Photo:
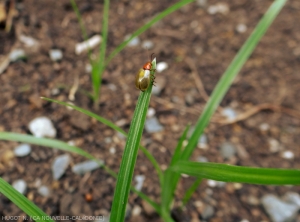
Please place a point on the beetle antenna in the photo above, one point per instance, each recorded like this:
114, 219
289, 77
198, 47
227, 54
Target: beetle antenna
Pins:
152, 56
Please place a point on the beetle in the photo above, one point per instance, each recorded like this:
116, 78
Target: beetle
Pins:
144, 78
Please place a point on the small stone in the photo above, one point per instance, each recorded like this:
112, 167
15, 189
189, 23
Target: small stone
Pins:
227, 150
88, 68
147, 44
136, 210
28, 41
112, 150
22, 150
160, 84
189, 99
59, 165
55, 91
274, 145
292, 197
151, 112
87, 166
112, 87
221, 8
287, 155
253, 200
201, 3
139, 182
207, 212
133, 42
152, 125
202, 142
161, 66
42, 127
80, 121
214, 183
44, 191
229, 113
17, 54
20, 185
202, 159
55, 55
241, 28
278, 210
36, 101
88, 44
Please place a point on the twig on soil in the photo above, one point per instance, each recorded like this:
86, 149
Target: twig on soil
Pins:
258, 108
74, 88
197, 79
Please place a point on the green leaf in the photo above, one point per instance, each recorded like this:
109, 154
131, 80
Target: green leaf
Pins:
239, 174
130, 154
56, 144
23, 203
116, 128
157, 18
188, 194
226, 80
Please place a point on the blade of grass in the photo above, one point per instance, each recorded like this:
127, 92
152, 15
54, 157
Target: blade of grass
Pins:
114, 127
239, 174
97, 69
225, 82
157, 18
130, 154
170, 185
23, 203
57, 144
188, 194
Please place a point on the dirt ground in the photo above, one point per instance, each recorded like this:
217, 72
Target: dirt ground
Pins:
197, 45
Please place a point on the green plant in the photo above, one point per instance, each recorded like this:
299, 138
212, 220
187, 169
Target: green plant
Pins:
180, 160
98, 66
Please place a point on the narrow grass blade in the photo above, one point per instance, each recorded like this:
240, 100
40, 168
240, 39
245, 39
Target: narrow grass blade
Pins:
23, 203
130, 155
239, 174
157, 18
98, 68
82, 27
188, 194
56, 144
169, 183
178, 149
114, 127
227, 78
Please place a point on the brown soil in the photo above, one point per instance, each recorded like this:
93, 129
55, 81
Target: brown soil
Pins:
189, 40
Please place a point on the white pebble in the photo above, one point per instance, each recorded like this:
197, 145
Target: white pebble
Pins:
147, 44
88, 68
17, 54
71, 142
55, 55
55, 91
87, 166
136, 210
229, 113
44, 191
221, 8
139, 182
22, 150
202, 142
287, 155
133, 42
152, 125
42, 127
112, 150
20, 185
264, 127
28, 41
59, 165
201, 3
274, 145
241, 28
213, 183
151, 112
88, 44
161, 66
